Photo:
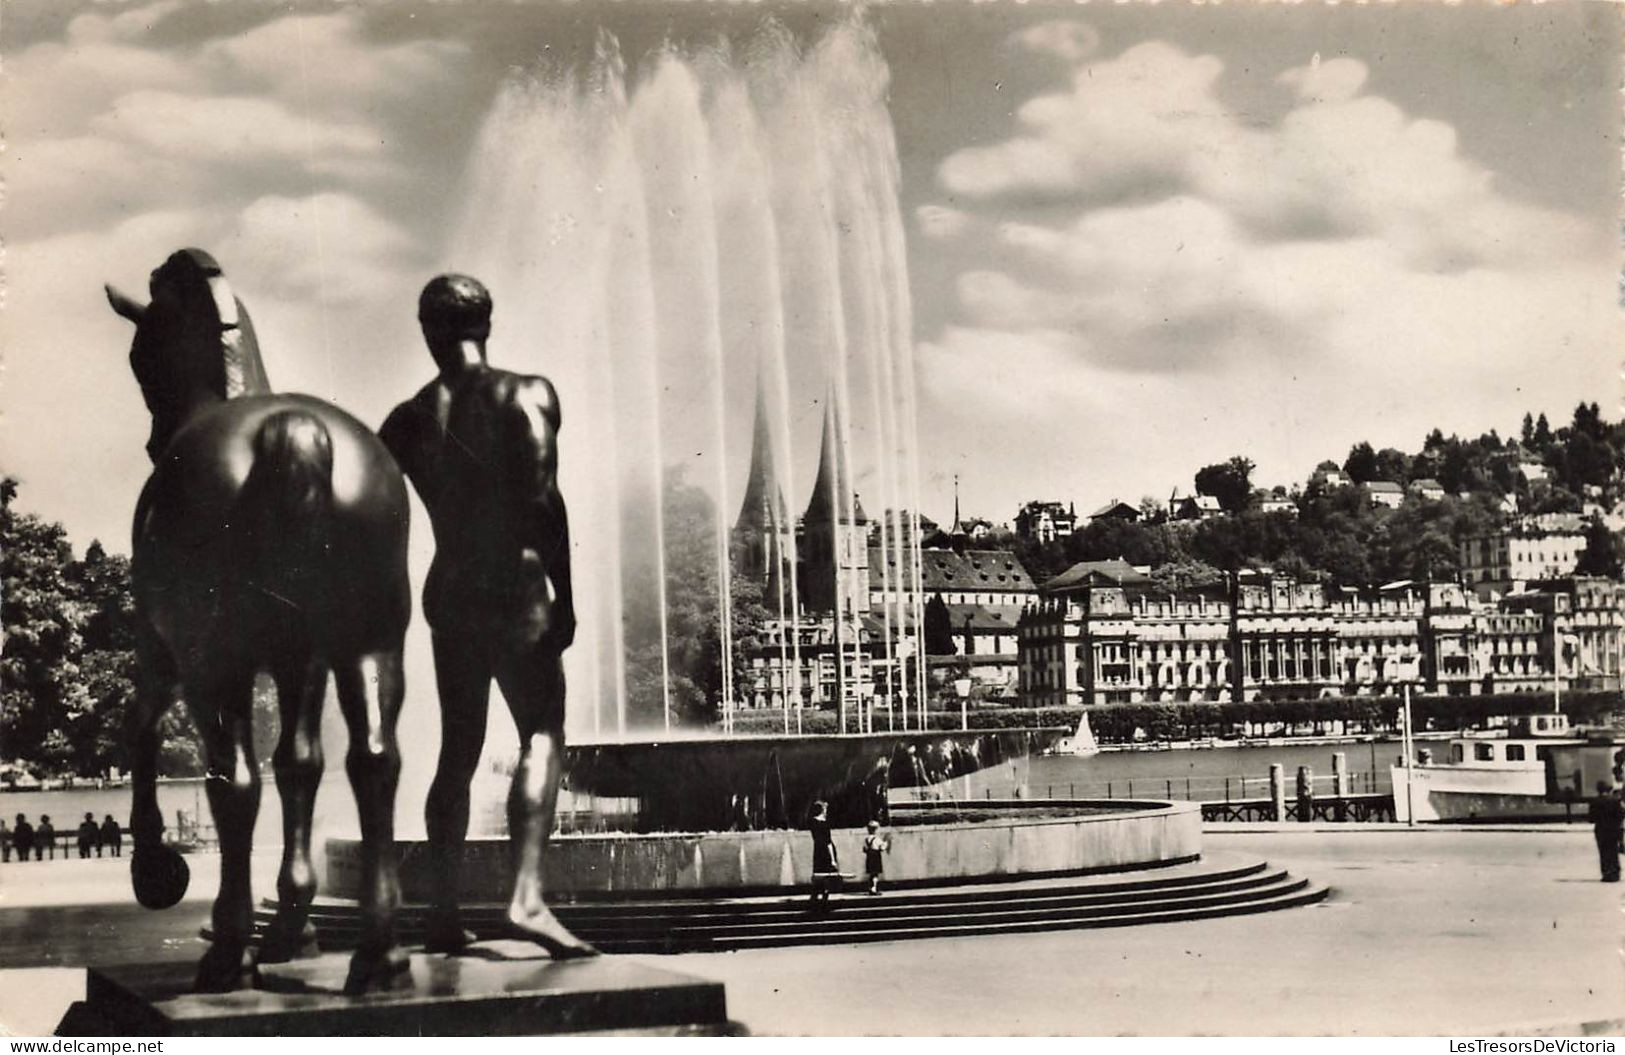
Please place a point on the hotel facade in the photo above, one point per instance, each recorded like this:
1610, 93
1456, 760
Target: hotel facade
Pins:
1102, 633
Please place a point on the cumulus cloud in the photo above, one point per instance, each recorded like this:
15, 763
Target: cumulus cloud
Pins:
330, 248
218, 130
1123, 127
1149, 123
1145, 271
117, 124
940, 221
322, 61
1066, 39
1174, 237
1336, 81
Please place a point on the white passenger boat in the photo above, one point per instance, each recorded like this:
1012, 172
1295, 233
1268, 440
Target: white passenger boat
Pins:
1491, 776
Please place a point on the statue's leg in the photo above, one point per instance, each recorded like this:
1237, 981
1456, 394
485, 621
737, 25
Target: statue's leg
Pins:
298, 764
158, 874
463, 678
533, 685
221, 711
370, 691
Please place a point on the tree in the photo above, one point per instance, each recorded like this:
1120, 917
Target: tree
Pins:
1361, 464
939, 631
1392, 464
684, 666
1601, 555
1179, 576
1230, 482
39, 674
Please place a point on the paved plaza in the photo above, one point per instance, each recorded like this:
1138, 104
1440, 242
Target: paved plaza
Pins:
1427, 931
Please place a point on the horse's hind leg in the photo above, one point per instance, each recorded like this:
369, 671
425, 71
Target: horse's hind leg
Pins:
221, 711
298, 765
158, 874
370, 690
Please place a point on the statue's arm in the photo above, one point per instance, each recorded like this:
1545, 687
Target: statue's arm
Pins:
547, 524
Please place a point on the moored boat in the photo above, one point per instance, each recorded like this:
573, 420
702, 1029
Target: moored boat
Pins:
1493, 776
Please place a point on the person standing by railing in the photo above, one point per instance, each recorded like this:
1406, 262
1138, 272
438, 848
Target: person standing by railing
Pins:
23, 837
89, 835
44, 838
112, 838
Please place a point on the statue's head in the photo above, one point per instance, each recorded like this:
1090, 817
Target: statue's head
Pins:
453, 309
193, 342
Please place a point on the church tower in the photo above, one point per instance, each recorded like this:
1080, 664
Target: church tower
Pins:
760, 533
835, 547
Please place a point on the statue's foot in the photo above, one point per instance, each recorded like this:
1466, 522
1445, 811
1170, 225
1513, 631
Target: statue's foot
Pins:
544, 928
378, 971
446, 934
228, 966
286, 939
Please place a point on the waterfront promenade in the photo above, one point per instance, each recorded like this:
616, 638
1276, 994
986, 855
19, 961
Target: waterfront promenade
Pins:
1460, 931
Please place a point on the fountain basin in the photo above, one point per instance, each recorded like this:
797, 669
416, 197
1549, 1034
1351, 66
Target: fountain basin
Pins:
698, 784
931, 844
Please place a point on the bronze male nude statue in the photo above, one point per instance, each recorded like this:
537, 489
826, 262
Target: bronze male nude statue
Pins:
480, 446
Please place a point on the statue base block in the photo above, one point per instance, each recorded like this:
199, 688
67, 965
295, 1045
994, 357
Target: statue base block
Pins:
496, 988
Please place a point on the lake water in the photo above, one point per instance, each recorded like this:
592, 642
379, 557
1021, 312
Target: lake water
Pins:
1197, 774
1186, 773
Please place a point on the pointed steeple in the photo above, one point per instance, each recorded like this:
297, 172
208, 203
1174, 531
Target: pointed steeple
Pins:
823, 492
763, 508
957, 530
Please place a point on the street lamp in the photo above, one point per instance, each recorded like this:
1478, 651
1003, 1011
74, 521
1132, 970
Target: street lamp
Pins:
1408, 671
962, 690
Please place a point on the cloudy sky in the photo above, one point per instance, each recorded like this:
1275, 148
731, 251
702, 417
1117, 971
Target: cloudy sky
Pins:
1141, 237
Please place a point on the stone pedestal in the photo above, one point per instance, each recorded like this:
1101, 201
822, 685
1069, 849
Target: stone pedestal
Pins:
487, 991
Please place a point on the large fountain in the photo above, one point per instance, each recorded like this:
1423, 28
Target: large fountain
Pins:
707, 258
678, 248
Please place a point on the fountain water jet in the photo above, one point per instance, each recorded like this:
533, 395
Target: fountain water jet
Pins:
666, 246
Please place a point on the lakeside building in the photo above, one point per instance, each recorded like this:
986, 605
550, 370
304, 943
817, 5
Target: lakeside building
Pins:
1103, 633
1531, 550
1046, 521
1384, 493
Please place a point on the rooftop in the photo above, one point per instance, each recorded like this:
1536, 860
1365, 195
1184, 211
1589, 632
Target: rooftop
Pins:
971, 569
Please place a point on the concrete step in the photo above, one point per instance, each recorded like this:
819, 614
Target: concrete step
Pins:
1052, 903
1307, 894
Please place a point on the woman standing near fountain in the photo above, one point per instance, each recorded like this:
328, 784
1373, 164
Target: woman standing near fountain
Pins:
825, 864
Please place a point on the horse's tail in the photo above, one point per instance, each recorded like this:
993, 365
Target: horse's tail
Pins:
285, 510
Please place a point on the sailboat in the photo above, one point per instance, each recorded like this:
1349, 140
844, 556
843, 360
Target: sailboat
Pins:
1081, 744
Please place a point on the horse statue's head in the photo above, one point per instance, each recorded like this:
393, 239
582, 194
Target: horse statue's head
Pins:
194, 343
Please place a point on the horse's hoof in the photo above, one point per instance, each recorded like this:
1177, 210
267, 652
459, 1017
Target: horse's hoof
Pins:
284, 942
159, 876
379, 972
227, 967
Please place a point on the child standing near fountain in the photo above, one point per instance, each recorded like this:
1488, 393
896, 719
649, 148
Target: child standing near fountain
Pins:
875, 846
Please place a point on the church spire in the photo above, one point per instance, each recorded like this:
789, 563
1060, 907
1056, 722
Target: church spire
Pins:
819, 510
958, 527
763, 508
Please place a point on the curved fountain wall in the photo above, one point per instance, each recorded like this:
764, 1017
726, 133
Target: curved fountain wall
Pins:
726, 816
1102, 836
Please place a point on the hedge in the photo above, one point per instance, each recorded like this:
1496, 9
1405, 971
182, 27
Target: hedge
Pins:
1118, 722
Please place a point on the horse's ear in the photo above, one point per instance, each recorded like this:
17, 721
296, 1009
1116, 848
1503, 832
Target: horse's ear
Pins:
124, 305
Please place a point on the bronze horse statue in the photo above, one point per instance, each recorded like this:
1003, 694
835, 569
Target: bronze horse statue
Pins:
271, 537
